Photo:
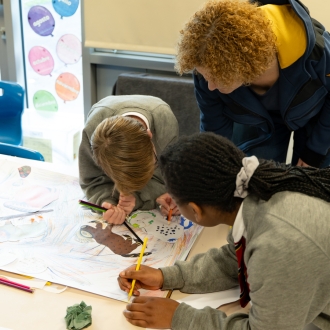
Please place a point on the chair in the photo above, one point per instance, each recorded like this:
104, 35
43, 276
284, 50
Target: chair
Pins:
11, 110
18, 151
177, 92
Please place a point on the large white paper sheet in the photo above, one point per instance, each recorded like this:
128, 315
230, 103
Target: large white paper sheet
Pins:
71, 245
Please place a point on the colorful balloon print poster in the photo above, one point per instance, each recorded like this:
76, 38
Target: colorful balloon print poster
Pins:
53, 56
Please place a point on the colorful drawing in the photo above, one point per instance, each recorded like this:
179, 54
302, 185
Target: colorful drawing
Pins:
67, 86
72, 246
41, 60
51, 44
32, 198
24, 171
155, 224
185, 222
65, 8
41, 21
68, 49
22, 228
45, 101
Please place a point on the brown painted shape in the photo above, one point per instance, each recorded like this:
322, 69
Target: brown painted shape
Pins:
116, 243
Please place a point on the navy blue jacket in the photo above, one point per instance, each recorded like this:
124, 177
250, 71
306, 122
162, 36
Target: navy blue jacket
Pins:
304, 93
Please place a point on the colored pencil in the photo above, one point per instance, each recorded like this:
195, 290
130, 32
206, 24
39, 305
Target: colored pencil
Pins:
8, 281
26, 214
169, 217
16, 285
138, 267
103, 209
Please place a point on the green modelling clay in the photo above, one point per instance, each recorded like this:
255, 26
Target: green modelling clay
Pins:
78, 316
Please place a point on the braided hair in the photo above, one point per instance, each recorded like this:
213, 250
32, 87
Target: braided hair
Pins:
202, 168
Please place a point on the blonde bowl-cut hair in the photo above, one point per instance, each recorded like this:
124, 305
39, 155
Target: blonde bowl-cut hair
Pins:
123, 149
232, 39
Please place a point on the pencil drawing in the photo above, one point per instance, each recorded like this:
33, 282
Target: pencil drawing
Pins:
72, 245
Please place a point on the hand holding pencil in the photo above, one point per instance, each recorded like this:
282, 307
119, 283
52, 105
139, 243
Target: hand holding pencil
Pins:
104, 209
144, 311
146, 277
166, 204
169, 217
138, 267
115, 215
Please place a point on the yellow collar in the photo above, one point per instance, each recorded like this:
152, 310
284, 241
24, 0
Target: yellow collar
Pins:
290, 31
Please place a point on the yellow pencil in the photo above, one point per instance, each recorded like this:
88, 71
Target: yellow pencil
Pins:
138, 267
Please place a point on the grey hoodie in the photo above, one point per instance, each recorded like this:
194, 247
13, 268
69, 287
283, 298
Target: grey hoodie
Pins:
287, 258
97, 186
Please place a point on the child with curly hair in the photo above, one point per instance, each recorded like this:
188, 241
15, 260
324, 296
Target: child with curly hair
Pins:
261, 71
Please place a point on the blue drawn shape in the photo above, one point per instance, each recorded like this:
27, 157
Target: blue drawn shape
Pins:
65, 8
11, 233
41, 21
185, 222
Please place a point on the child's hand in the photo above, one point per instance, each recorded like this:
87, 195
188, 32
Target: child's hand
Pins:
115, 215
151, 312
146, 278
127, 203
166, 203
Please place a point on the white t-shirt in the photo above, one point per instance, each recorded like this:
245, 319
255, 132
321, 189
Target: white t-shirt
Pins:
137, 114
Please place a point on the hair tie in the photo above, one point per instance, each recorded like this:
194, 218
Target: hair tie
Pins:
243, 177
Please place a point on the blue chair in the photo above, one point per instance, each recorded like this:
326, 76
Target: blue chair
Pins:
11, 110
18, 151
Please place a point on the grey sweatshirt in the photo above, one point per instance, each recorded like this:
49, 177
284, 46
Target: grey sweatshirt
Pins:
97, 186
287, 259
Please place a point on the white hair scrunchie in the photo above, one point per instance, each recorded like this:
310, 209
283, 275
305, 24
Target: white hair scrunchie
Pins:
243, 177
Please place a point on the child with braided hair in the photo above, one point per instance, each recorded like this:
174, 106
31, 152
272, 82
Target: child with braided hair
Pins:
278, 248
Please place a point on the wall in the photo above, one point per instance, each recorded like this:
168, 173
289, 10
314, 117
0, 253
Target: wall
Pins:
11, 49
319, 9
101, 78
106, 75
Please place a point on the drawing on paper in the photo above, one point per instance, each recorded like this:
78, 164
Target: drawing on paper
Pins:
22, 228
65, 243
31, 265
153, 223
102, 233
31, 198
24, 171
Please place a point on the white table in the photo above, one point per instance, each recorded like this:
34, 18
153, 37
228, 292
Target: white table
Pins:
45, 310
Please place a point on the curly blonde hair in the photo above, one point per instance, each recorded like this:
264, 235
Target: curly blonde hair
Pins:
124, 150
232, 39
